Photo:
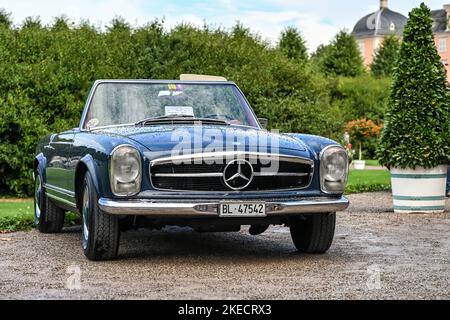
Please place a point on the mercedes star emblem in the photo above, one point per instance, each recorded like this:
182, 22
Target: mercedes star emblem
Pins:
238, 174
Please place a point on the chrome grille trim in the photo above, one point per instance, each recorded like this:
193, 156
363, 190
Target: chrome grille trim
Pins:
219, 174
226, 156
188, 175
231, 155
280, 174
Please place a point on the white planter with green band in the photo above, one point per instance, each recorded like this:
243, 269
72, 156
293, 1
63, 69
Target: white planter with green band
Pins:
419, 190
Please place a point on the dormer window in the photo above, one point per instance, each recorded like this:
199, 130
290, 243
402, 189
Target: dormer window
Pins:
392, 27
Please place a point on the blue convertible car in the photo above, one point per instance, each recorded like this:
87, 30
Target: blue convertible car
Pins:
186, 153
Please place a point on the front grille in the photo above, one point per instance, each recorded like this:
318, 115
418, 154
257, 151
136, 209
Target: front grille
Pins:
204, 175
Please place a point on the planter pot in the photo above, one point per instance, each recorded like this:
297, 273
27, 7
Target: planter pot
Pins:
420, 190
359, 164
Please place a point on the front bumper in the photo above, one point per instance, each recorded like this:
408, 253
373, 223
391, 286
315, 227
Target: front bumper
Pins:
144, 207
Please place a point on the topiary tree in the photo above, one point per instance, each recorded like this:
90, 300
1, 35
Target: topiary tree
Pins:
417, 127
342, 58
293, 45
386, 57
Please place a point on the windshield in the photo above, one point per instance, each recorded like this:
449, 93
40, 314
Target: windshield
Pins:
127, 103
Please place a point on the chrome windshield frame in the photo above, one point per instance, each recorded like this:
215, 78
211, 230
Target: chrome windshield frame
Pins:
97, 83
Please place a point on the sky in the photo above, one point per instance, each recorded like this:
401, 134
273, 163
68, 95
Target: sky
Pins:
318, 20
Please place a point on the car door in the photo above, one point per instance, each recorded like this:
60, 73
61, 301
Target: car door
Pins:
58, 171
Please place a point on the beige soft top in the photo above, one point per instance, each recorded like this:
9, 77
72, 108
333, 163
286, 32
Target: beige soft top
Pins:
200, 77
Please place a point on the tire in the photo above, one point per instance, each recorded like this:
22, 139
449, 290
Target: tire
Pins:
313, 233
49, 218
100, 231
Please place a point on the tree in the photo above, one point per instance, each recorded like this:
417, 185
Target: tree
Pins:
293, 45
5, 18
61, 23
32, 23
385, 58
417, 127
119, 24
321, 51
342, 57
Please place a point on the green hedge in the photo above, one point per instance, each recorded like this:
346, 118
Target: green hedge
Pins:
46, 72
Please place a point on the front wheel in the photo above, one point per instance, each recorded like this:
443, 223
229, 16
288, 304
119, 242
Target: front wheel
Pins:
100, 231
49, 218
313, 233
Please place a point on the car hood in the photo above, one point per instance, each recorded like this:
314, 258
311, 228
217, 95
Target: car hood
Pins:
165, 138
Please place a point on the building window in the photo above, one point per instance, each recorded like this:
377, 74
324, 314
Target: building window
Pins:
362, 47
442, 44
392, 27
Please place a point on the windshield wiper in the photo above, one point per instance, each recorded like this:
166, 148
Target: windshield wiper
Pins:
172, 119
174, 116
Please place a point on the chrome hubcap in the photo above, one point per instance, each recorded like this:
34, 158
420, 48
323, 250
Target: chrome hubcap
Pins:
85, 216
37, 198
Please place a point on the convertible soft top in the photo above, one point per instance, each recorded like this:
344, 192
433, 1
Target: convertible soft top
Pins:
200, 77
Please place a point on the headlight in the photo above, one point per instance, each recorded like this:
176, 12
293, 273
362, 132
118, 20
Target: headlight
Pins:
333, 169
125, 171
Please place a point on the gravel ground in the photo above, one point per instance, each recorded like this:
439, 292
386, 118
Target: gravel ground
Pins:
408, 254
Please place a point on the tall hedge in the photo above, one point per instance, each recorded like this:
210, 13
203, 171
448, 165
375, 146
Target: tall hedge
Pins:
417, 131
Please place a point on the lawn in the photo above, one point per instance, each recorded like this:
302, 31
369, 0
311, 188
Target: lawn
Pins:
374, 163
18, 215
368, 181
16, 208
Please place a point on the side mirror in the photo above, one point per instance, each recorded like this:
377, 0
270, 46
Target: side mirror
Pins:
263, 122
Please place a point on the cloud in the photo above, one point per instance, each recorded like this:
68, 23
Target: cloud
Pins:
100, 11
270, 25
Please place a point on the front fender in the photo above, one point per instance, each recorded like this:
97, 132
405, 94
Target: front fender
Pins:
40, 164
87, 163
314, 143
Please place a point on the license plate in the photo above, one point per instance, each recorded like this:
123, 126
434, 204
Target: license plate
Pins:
242, 210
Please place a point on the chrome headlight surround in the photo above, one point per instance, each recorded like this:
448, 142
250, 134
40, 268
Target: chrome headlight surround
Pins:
333, 169
125, 171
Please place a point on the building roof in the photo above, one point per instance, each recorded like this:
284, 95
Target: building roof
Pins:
381, 22
439, 20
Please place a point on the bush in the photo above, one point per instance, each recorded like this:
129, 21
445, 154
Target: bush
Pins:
16, 223
25, 222
362, 132
417, 130
361, 97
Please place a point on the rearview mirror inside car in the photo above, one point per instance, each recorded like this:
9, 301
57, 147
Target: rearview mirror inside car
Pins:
263, 122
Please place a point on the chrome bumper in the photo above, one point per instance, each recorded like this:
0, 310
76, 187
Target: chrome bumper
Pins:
142, 207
